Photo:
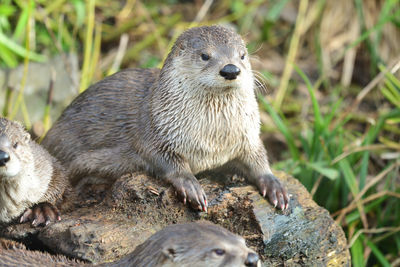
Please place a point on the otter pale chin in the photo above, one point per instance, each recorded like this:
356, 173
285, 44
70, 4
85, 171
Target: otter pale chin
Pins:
32, 182
199, 112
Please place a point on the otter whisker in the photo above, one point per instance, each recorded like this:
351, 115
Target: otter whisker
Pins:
260, 82
258, 48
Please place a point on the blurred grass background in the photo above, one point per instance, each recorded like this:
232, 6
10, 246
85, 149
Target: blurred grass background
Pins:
332, 114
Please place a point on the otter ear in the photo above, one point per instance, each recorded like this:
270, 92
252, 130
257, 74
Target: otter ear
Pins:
169, 252
27, 137
182, 46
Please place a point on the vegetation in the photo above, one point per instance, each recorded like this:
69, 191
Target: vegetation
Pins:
336, 109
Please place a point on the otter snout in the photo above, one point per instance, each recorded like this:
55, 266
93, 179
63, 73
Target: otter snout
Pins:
252, 260
229, 72
4, 158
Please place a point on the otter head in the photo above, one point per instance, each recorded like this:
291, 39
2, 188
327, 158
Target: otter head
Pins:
195, 245
212, 59
13, 148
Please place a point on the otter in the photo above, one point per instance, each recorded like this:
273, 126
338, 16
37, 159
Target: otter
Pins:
198, 113
192, 245
199, 244
32, 182
14, 254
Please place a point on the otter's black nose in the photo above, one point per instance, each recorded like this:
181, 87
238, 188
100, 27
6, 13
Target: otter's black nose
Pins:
229, 72
252, 260
4, 157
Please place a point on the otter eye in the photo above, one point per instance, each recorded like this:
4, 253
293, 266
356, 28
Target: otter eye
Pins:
242, 57
15, 145
205, 57
219, 251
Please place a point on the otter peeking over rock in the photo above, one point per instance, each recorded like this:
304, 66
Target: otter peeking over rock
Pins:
199, 244
198, 113
32, 182
192, 245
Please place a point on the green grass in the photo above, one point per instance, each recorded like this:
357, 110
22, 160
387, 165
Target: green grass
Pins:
346, 155
315, 159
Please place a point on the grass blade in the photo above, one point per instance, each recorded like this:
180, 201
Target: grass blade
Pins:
282, 127
321, 168
378, 254
357, 253
88, 47
19, 50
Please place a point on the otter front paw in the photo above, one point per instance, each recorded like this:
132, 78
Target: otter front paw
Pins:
270, 185
189, 189
42, 213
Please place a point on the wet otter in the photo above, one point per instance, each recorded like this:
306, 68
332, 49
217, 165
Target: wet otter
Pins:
197, 113
184, 245
31, 180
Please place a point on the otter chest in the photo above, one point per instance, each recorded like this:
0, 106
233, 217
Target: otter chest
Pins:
211, 139
19, 194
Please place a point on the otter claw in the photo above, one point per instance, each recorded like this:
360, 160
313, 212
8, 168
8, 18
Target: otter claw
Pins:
190, 191
41, 214
270, 186
205, 205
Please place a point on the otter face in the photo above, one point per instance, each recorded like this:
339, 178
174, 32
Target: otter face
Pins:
220, 253
213, 59
13, 138
195, 245
210, 245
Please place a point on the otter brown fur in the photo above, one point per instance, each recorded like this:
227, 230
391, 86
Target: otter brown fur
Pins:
198, 244
32, 182
198, 113
14, 254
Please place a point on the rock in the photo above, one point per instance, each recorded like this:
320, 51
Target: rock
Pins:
108, 224
62, 70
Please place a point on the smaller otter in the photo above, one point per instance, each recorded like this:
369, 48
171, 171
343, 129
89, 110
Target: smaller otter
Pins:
198, 244
31, 180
